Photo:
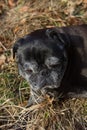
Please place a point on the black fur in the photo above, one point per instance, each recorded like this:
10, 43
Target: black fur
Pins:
54, 61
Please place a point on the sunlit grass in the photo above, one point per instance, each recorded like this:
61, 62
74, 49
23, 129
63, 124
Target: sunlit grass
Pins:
14, 90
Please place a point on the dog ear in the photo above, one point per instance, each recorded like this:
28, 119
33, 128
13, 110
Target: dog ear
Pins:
16, 46
59, 38
54, 35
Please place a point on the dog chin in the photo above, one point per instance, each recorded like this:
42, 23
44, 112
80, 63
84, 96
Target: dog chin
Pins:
43, 89
46, 88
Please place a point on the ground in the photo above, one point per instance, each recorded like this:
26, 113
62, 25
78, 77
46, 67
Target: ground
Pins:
18, 18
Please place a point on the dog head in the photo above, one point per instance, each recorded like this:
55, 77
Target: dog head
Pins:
42, 58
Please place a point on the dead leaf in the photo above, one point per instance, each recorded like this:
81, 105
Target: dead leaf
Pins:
85, 1
12, 3
70, 8
2, 59
10, 59
24, 9
1, 50
23, 21
16, 29
78, 2
74, 21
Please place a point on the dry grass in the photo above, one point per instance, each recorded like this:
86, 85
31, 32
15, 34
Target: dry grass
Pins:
15, 22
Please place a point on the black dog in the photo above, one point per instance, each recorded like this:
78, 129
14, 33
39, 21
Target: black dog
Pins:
54, 61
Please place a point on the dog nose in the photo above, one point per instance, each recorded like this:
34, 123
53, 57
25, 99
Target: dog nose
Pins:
27, 68
31, 66
29, 71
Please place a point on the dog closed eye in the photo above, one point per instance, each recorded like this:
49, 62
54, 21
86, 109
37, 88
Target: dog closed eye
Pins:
52, 61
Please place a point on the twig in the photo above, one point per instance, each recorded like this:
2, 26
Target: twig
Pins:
3, 46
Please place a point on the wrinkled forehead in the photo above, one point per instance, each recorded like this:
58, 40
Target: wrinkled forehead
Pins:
37, 44
40, 47
34, 49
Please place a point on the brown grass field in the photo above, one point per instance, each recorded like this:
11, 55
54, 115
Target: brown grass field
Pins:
18, 18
